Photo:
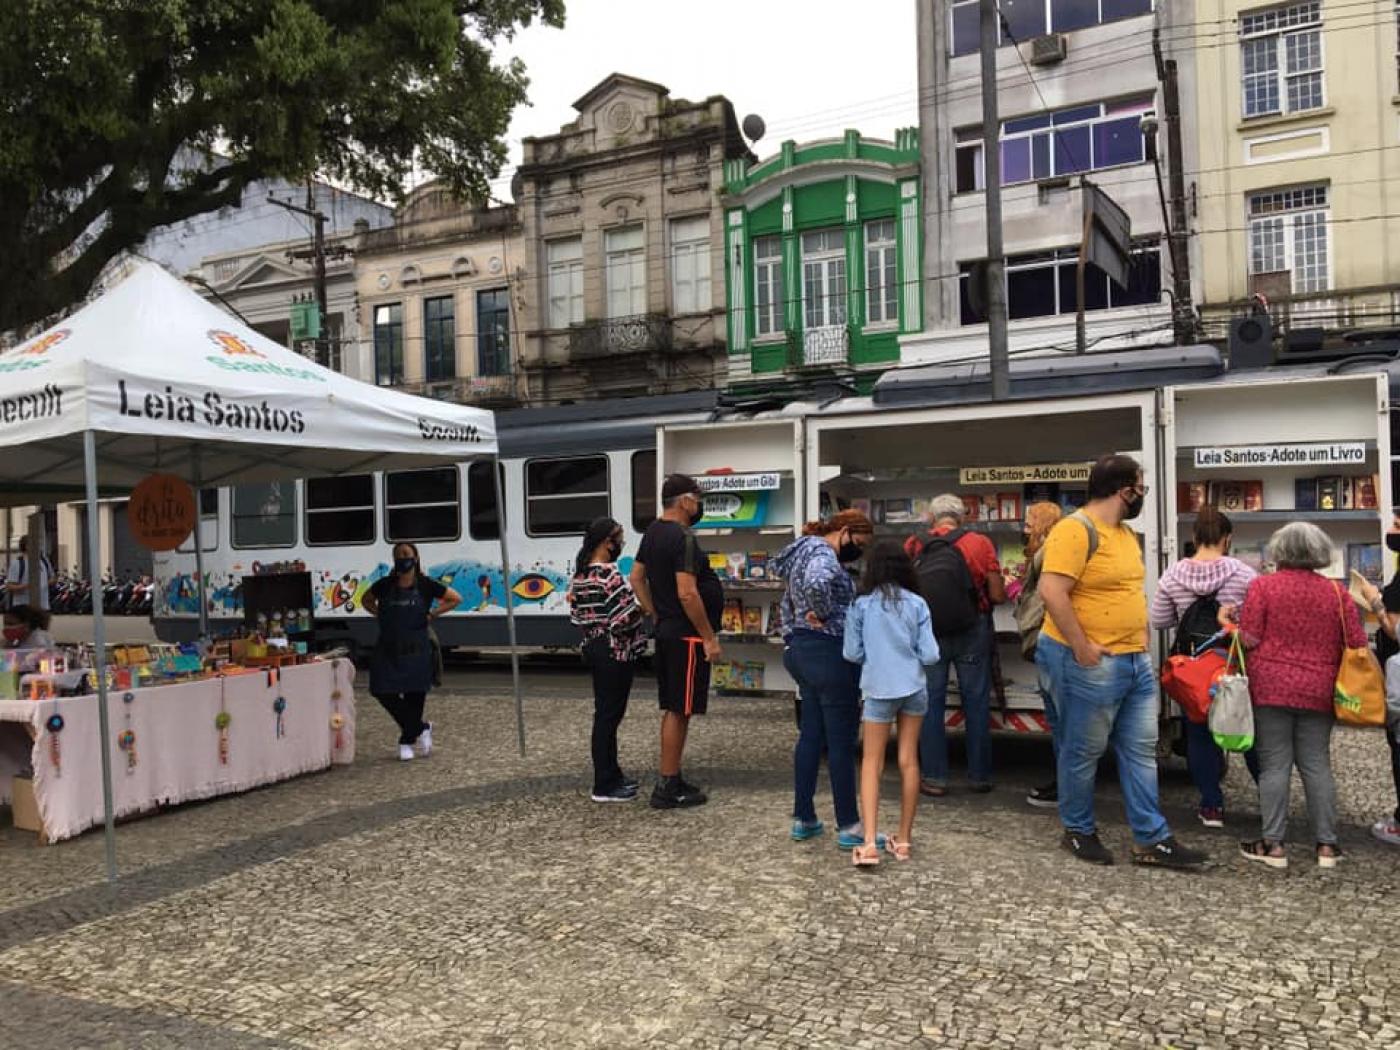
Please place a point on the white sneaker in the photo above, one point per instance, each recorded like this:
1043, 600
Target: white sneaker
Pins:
405, 752
424, 744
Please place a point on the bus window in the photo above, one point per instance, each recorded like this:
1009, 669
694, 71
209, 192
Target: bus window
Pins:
208, 523
265, 514
562, 496
422, 505
340, 510
482, 521
643, 489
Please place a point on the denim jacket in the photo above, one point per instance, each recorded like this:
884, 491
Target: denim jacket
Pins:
891, 637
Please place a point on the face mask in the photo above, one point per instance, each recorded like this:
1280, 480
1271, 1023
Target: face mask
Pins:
15, 634
698, 512
1133, 507
614, 551
849, 551
403, 566
1393, 542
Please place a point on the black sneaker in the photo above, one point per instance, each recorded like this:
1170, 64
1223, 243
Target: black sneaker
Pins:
621, 793
674, 793
1087, 848
1047, 796
981, 787
632, 784
1169, 854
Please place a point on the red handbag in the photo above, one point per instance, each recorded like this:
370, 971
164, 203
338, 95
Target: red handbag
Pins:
1188, 681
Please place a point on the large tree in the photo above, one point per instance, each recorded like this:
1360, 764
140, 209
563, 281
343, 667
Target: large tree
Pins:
120, 116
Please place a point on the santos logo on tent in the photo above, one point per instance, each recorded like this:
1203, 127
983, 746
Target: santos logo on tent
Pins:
32, 355
241, 357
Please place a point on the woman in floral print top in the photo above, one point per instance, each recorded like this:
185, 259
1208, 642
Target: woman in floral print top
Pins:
603, 606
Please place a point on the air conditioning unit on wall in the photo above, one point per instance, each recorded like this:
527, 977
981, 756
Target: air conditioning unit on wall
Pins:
1049, 49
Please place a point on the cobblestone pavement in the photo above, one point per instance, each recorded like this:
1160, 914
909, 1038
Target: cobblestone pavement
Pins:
480, 900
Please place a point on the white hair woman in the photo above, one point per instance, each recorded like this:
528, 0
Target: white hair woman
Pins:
1295, 624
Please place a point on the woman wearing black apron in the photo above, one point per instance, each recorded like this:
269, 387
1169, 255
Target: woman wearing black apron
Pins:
402, 669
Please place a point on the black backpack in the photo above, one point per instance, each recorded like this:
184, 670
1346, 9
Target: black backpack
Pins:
946, 583
1199, 624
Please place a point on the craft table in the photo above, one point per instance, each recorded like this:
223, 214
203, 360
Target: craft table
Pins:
180, 748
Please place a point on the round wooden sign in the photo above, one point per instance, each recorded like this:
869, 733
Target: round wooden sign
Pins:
161, 512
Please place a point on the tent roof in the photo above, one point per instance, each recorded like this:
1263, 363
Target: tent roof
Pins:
156, 372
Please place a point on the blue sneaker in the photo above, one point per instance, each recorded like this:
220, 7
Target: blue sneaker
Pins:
854, 836
803, 830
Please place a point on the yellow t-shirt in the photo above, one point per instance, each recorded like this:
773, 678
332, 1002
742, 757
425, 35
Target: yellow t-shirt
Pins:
1109, 598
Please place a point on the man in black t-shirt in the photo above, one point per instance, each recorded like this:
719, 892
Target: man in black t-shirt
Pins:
676, 586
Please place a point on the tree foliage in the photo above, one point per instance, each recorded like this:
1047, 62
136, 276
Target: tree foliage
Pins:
121, 116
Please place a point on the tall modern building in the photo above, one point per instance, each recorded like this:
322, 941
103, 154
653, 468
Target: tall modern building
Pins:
1075, 81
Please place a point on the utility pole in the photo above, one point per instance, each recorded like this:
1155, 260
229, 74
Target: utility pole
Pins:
1183, 313
317, 254
991, 162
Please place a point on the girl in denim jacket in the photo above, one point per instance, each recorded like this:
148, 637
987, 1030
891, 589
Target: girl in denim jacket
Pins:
890, 634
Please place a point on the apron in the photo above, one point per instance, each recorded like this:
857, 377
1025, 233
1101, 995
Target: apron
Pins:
403, 659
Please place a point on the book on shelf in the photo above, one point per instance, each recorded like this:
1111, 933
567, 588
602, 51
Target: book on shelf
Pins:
1008, 506
732, 619
1253, 495
749, 676
1041, 492
972, 508
1305, 493
758, 565
1072, 499
753, 619
1367, 492
723, 674
719, 564
1329, 493
1191, 496
899, 511
1367, 560
1229, 496
990, 508
738, 565
774, 627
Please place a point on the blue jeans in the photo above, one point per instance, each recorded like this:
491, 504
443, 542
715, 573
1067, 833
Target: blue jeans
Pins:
1114, 704
1052, 714
830, 691
1206, 763
970, 653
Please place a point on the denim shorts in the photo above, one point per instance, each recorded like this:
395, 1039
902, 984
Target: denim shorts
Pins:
884, 711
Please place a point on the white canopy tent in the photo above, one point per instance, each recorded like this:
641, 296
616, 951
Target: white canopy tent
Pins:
152, 378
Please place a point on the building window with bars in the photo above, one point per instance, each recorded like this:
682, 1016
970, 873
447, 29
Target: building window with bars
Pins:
768, 285
564, 259
1281, 60
824, 278
388, 344
493, 332
690, 265
881, 274
1091, 137
1288, 236
439, 339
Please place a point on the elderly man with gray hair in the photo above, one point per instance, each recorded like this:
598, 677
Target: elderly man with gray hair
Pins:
961, 580
1295, 624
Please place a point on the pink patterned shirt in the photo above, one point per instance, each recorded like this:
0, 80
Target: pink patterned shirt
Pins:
1291, 624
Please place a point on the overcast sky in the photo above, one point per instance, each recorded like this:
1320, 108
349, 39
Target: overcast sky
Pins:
810, 68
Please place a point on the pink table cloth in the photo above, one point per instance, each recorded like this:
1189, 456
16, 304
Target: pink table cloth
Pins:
175, 754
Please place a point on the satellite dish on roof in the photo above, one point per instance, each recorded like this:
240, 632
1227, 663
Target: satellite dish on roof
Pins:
754, 127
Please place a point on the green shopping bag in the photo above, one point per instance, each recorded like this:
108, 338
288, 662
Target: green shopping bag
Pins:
1231, 718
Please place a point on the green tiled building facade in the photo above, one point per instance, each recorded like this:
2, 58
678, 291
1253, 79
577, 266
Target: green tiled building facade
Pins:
822, 261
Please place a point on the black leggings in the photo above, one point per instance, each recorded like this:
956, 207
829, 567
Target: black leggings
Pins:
406, 709
612, 686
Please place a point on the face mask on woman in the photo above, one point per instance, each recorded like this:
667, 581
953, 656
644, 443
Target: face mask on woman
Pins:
849, 551
403, 566
614, 550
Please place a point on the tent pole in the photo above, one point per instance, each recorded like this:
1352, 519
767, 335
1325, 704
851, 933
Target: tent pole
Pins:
510, 603
199, 547
99, 650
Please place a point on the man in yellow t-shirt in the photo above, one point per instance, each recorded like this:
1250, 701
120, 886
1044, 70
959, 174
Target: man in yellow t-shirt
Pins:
1093, 655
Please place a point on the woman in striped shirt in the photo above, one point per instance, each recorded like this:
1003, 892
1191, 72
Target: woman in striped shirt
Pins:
1209, 573
602, 604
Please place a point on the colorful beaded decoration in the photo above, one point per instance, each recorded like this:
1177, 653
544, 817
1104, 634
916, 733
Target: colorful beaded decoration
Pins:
337, 719
126, 740
279, 706
55, 726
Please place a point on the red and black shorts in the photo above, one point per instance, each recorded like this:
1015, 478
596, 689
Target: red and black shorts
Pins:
682, 675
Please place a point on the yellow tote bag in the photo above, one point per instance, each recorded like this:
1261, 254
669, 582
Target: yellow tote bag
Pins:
1358, 697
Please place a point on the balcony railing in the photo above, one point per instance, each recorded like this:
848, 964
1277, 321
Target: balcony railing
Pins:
469, 390
1336, 311
637, 334
825, 347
